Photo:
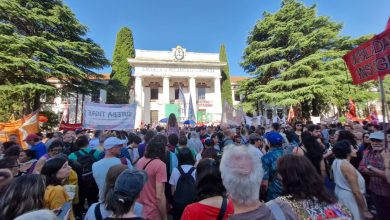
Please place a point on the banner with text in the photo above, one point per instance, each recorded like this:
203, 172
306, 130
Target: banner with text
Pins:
371, 59
109, 116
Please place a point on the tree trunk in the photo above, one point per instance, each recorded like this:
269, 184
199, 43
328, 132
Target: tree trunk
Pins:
37, 102
305, 108
315, 107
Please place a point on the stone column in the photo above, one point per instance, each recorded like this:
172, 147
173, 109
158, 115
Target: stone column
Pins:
217, 105
192, 85
165, 98
138, 100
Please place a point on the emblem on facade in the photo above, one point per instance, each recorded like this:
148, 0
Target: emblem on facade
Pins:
179, 53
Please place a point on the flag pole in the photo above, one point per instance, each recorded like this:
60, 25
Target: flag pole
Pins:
383, 100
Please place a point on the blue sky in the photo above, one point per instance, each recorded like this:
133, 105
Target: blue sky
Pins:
203, 25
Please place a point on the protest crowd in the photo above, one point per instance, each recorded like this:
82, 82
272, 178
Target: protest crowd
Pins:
281, 171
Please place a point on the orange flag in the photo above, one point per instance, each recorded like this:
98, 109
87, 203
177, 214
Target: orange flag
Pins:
29, 124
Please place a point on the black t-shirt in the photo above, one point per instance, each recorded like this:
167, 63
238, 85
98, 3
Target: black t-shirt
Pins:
133, 218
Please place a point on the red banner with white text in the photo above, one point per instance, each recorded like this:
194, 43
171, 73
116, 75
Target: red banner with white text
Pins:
371, 59
69, 126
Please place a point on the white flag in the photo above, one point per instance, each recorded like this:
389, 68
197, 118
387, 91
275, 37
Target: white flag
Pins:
183, 106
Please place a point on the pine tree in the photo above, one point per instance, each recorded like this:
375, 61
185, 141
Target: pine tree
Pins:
295, 57
121, 70
226, 90
39, 40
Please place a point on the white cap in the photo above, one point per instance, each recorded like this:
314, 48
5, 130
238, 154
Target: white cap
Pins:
112, 142
377, 135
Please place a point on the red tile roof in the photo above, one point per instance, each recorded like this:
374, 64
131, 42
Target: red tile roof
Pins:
236, 79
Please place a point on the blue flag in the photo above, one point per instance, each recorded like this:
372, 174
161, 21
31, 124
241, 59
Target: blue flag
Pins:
191, 112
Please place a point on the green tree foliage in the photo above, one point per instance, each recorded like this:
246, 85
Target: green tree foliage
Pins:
226, 90
38, 40
52, 122
119, 86
295, 58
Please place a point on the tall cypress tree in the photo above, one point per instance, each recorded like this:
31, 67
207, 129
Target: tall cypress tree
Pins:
40, 40
295, 58
226, 90
118, 92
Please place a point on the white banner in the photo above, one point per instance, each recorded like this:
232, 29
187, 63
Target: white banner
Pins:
315, 120
231, 116
109, 116
248, 121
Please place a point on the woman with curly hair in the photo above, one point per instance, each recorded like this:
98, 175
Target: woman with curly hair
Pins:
350, 185
347, 135
304, 191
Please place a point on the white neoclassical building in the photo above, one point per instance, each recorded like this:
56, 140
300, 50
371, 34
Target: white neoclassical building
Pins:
158, 76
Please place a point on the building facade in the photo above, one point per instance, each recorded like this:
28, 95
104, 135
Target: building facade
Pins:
73, 101
160, 76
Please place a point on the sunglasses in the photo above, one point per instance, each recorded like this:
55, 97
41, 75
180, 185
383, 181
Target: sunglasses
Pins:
366, 136
298, 125
376, 140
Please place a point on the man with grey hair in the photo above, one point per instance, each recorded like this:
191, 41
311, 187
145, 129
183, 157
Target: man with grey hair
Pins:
242, 173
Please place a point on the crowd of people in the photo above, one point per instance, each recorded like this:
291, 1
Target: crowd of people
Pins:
291, 171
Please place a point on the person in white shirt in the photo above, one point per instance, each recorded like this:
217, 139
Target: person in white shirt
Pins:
112, 148
186, 166
186, 162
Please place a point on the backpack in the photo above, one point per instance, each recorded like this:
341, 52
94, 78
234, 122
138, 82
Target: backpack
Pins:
168, 189
185, 189
86, 160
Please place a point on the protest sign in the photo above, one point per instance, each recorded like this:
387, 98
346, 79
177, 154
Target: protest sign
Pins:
231, 116
109, 116
370, 60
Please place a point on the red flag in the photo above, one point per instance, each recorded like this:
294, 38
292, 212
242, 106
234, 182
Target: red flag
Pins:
291, 114
370, 59
352, 108
388, 24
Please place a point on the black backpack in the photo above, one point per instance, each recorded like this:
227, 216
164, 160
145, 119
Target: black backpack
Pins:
185, 189
86, 160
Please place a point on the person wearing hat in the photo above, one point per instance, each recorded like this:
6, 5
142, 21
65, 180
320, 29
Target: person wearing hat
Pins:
112, 149
271, 184
80, 132
36, 145
127, 189
373, 165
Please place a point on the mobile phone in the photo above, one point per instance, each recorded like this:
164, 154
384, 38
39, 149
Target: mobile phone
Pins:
64, 210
